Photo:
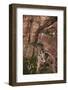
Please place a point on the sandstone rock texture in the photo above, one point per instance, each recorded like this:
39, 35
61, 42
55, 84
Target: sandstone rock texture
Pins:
39, 44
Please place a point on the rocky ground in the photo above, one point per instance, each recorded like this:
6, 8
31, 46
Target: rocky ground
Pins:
40, 44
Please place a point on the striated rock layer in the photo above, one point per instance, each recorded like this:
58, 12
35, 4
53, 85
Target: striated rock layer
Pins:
40, 44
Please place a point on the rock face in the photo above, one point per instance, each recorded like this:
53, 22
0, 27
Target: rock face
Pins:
40, 44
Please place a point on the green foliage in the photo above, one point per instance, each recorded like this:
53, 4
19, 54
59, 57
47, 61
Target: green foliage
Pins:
25, 67
49, 33
46, 69
39, 44
36, 44
29, 65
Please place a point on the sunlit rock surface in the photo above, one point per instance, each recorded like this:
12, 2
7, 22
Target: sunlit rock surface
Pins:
40, 44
